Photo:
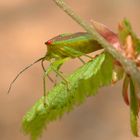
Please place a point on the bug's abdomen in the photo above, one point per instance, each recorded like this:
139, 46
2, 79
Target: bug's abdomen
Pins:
83, 43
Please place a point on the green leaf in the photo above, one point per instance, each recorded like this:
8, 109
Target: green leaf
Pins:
133, 109
84, 82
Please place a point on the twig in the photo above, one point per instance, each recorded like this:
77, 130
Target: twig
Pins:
127, 64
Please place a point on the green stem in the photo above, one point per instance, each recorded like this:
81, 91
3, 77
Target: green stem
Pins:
127, 64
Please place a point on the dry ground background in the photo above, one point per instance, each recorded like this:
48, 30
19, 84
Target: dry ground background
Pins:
24, 27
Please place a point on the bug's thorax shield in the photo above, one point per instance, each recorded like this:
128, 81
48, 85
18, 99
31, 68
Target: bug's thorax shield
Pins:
53, 51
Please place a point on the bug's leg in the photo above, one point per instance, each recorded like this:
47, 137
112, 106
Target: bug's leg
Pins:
55, 82
62, 77
56, 65
44, 90
93, 57
81, 60
56, 76
75, 53
43, 67
46, 72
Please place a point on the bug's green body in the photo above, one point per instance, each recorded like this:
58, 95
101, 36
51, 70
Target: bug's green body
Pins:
61, 47
80, 42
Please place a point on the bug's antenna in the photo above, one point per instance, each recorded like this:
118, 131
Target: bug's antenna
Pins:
11, 84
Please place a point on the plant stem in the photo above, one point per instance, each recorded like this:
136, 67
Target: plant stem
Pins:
127, 64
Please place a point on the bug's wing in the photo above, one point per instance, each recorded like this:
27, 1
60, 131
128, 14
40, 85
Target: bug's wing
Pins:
109, 35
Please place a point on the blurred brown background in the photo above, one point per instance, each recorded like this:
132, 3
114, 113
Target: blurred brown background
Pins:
24, 27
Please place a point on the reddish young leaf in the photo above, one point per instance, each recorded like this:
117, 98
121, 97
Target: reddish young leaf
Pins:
126, 82
109, 35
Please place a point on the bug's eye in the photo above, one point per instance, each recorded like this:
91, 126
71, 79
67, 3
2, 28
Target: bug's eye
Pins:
49, 42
